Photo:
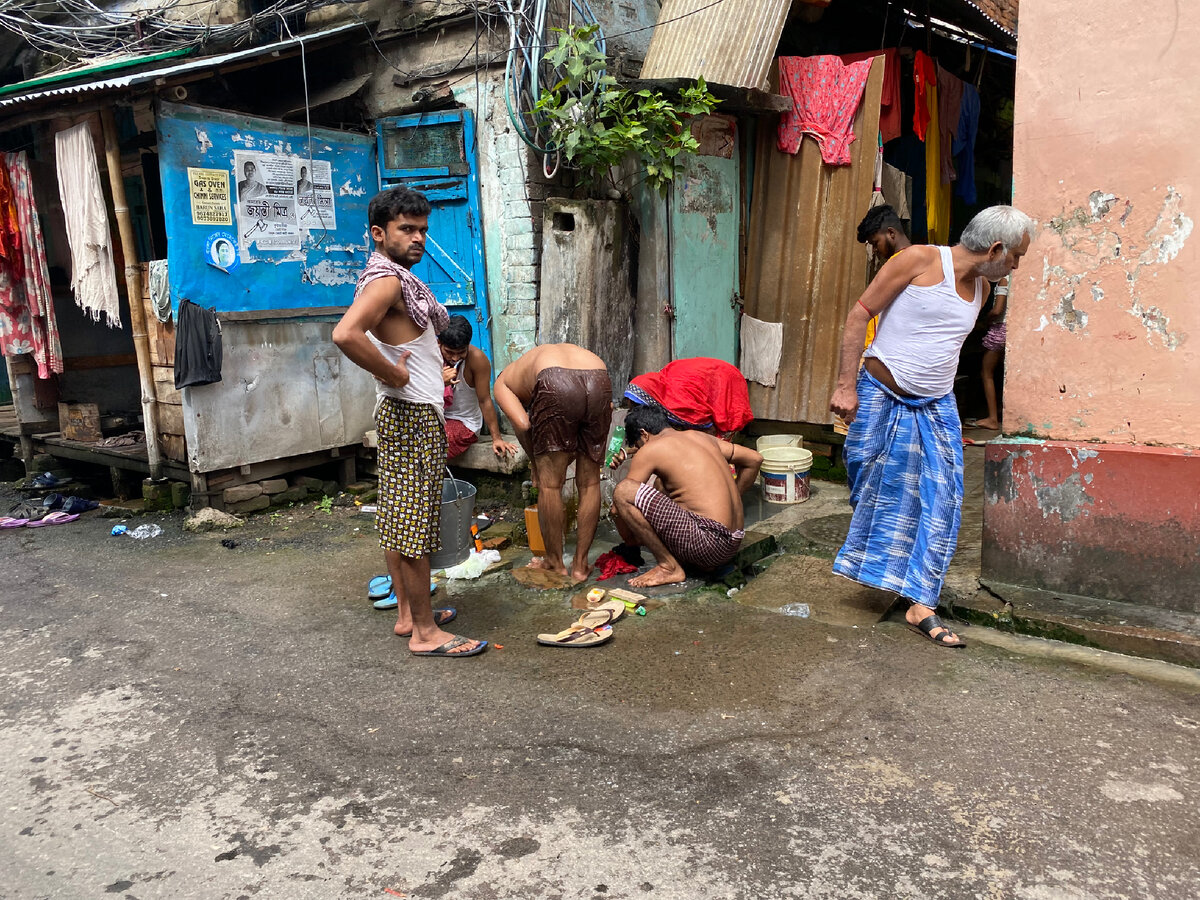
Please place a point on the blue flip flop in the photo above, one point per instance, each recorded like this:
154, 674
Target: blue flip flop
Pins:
388, 600
379, 587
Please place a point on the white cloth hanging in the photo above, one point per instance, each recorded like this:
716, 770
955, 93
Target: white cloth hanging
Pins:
762, 350
93, 274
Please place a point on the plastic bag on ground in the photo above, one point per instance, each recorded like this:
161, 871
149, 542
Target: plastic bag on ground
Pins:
474, 565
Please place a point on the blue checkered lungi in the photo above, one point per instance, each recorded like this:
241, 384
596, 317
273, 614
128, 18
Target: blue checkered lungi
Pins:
904, 462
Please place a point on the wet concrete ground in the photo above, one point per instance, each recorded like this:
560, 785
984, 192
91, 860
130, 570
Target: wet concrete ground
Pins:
185, 720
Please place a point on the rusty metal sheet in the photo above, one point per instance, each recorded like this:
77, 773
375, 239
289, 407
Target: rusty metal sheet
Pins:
731, 43
804, 266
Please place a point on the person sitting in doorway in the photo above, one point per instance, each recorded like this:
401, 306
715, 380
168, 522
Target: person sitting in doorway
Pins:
559, 400
679, 500
467, 374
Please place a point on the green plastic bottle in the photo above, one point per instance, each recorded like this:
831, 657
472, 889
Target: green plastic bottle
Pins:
615, 443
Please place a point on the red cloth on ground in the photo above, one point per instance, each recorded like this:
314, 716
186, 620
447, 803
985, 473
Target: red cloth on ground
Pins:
458, 438
890, 120
701, 391
825, 96
610, 565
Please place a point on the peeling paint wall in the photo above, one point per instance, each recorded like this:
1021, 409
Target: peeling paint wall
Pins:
1103, 325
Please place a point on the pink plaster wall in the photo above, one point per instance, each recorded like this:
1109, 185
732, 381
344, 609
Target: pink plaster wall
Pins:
1104, 318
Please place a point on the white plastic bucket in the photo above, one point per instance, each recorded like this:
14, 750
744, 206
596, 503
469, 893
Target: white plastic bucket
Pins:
457, 514
768, 441
785, 474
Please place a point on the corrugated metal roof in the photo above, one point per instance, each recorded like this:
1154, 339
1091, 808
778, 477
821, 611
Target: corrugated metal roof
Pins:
728, 42
109, 65
804, 265
12, 104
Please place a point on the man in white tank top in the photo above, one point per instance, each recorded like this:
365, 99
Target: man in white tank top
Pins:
467, 374
904, 450
391, 331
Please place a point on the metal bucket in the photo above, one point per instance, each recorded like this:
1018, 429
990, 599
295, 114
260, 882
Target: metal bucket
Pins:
458, 512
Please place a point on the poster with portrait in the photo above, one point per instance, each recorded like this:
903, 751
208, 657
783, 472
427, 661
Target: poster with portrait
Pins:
266, 200
314, 195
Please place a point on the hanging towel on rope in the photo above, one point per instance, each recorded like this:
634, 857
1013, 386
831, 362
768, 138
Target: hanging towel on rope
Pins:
27, 320
825, 96
93, 275
890, 119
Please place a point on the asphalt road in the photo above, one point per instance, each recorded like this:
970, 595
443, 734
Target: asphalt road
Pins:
185, 720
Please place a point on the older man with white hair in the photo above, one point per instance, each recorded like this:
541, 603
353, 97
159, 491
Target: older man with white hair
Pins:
903, 454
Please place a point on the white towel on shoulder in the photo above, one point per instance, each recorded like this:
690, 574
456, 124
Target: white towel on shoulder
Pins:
762, 349
93, 275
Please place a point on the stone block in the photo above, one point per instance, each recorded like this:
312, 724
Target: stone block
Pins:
519, 242
240, 493
755, 546
518, 274
522, 291
523, 225
180, 494
296, 494
274, 485
520, 308
155, 490
262, 501
308, 483
358, 488
496, 543
479, 456
330, 488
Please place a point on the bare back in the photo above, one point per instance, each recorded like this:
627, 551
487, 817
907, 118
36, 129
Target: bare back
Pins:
520, 375
694, 470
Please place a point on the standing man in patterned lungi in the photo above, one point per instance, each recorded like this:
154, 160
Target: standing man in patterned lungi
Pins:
679, 500
903, 454
391, 331
559, 400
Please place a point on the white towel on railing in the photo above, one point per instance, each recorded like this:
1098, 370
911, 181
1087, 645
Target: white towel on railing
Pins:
93, 275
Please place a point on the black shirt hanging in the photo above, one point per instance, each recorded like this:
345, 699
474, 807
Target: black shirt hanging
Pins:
197, 345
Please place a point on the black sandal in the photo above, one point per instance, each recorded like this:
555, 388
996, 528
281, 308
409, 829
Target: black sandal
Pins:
928, 625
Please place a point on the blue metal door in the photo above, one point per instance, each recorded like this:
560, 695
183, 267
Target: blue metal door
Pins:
434, 153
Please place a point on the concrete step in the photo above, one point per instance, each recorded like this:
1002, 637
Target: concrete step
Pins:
1129, 628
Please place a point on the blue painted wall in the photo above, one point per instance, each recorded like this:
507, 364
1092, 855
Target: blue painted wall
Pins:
322, 272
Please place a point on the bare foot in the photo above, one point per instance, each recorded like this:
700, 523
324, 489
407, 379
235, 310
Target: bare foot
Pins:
539, 562
440, 638
990, 424
580, 575
404, 624
659, 575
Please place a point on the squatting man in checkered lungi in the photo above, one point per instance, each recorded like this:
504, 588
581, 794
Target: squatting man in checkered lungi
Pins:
391, 331
904, 458
680, 500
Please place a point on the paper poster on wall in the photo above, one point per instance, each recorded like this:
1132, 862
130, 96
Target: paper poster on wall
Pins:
266, 200
220, 251
209, 190
314, 195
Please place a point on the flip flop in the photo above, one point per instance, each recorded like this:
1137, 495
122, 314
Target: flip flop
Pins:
379, 587
390, 601
58, 517
602, 614
436, 621
12, 522
926, 627
576, 637
79, 505
46, 480
53, 501
456, 641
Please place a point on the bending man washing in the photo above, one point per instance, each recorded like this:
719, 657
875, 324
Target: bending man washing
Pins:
679, 500
903, 454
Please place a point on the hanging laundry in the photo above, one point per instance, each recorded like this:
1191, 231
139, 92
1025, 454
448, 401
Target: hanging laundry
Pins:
198, 349
93, 275
762, 350
964, 145
160, 290
924, 80
897, 190
27, 321
10, 231
937, 195
825, 96
950, 94
890, 119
